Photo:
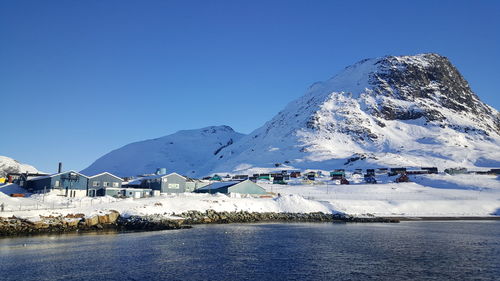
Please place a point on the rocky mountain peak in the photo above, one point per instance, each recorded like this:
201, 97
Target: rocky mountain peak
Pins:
428, 76
425, 86
428, 82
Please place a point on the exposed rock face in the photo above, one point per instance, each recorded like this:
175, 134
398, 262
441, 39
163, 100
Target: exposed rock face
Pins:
211, 216
60, 224
429, 81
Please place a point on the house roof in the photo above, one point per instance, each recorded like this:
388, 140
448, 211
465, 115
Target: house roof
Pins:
217, 185
57, 174
106, 173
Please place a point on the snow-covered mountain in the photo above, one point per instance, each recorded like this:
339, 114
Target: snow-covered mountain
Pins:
384, 112
9, 165
390, 111
186, 152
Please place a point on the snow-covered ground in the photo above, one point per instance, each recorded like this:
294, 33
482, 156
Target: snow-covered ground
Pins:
164, 205
426, 195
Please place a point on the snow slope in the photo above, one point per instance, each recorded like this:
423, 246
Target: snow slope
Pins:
390, 111
9, 165
185, 152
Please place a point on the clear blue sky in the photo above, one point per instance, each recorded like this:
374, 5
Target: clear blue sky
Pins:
80, 78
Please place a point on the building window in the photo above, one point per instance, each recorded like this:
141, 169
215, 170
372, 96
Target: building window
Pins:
173, 185
95, 183
105, 184
57, 184
116, 184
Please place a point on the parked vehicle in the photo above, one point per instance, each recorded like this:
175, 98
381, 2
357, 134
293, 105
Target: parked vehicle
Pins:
370, 179
403, 178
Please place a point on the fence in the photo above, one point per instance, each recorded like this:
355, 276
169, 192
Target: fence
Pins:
65, 203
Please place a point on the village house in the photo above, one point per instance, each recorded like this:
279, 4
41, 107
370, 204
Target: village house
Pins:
395, 171
280, 176
69, 184
381, 171
21, 178
98, 184
310, 176
337, 174
431, 170
171, 183
240, 177
193, 184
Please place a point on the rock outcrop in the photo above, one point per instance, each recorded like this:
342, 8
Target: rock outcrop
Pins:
113, 221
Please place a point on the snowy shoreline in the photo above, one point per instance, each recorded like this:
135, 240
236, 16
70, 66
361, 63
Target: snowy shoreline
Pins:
427, 196
113, 221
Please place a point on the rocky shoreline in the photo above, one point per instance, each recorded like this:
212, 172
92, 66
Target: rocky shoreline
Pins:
14, 226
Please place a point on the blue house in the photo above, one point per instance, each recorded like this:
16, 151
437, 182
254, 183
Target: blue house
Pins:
243, 187
69, 184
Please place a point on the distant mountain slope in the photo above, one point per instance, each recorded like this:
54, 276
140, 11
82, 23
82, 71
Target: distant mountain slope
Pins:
390, 111
186, 152
9, 165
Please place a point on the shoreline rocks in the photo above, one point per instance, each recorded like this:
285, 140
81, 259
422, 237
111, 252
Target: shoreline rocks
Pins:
211, 216
14, 226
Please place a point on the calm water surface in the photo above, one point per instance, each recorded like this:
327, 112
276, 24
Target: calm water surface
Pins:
405, 251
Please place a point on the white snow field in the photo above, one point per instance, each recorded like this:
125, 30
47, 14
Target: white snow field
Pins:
426, 196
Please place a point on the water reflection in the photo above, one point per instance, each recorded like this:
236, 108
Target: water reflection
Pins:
409, 250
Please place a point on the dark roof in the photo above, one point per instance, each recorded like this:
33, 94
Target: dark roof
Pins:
217, 185
57, 174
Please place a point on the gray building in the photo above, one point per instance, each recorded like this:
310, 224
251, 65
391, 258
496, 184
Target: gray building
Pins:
69, 184
98, 184
243, 187
171, 183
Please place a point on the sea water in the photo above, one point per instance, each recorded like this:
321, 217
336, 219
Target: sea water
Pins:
428, 250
